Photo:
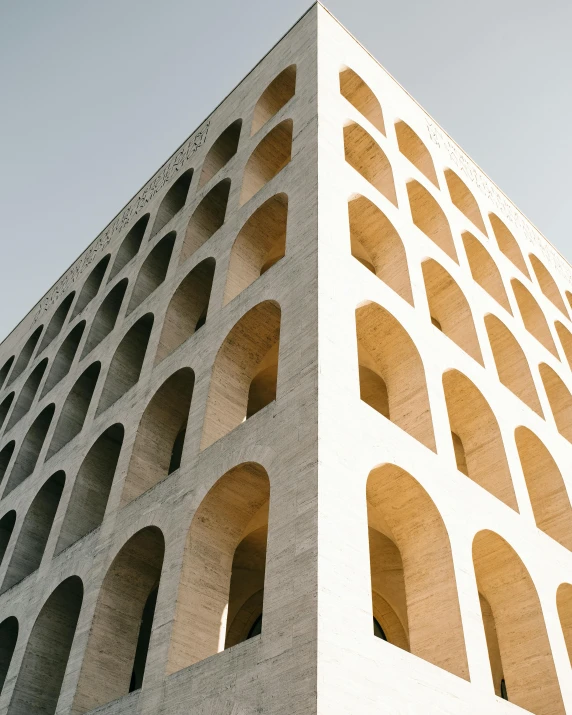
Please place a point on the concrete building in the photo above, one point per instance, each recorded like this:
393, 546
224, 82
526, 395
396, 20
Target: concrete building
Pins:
317, 369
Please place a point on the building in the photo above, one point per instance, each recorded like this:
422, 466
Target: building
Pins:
183, 444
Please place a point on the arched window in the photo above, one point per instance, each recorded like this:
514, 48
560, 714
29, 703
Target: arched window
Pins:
30, 449
5, 407
278, 93
64, 358
206, 220
221, 152
7, 523
411, 146
173, 201
267, 160
57, 321
508, 244
152, 272
5, 457
5, 370
130, 246
560, 400
91, 286
358, 93
429, 218
106, 316
464, 200
365, 155
27, 393
547, 283
532, 316
8, 638
25, 355
484, 270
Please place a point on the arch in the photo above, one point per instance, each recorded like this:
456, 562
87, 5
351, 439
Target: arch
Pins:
532, 316
8, 638
221, 152
244, 375
153, 271
113, 665
5, 370
564, 605
172, 202
30, 449
187, 309
464, 200
64, 358
91, 286
75, 409
449, 309
35, 531
484, 270
234, 513
565, 337
5, 457
524, 649
278, 93
163, 420
41, 675
260, 244
386, 350
106, 316
56, 323
407, 531
27, 393
91, 489
270, 156
127, 362
365, 155
559, 398
206, 220
360, 95
414, 149
129, 246
429, 218
508, 244
511, 363
547, 283
376, 244
478, 437
7, 523
25, 355
5, 407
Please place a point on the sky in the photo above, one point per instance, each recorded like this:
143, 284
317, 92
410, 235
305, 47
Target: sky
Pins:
97, 95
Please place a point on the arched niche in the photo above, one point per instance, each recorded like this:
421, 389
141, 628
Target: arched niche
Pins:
221, 152
244, 375
564, 604
30, 449
430, 218
358, 93
153, 271
172, 202
547, 283
64, 358
511, 363
5, 407
27, 393
365, 155
206, 220
260, 244
267, 160
560, 400
91, 286
532, 316
106, 316
25, 355
391, 373
376, 244
278, 93
464, 200
484, 270
565, 337
228, 530
129, 246
5, 456
8, 637
508, 244
449, 309
477, 438
413, 148
56, 323
4, 370
187, 309
7, 523
524, 659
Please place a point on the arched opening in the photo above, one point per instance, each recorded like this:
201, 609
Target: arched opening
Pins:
207, 218
547, 283
508, 244
32, 444
64, 358
125, 367
219, 599
91, 286
91, 489
41, 675
35, 531
524, 657
376, 245
5, 457
244, 374
449, 309
260, 244
106, 316
221, 152
153, 271
27, 393
411, 146
365, 155
57, 321
130, 246
5, 370
464, 200
358, 93
479, 437
546, 488
187, 309
484, 270
564, 604
8, 638
532, 316
271, 155
565, 340
412, 575
25, 355
75, 409
118, 643
173, 201
560, 400
7, 523
164, 417
275, 96
389, 363
5, 407
512, 366
429, 218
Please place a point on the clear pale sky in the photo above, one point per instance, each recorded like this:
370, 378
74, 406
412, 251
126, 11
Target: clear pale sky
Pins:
96, 95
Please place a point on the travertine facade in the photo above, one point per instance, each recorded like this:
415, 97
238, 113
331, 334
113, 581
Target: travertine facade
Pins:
183, 446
